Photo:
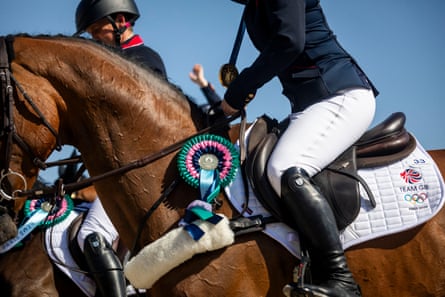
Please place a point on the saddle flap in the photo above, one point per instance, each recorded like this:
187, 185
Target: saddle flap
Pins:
263, 125
340, 188
255, 169
73, 245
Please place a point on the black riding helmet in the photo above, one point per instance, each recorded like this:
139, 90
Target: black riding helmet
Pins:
90, 11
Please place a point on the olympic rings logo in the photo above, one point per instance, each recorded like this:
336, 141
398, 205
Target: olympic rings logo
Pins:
416, 198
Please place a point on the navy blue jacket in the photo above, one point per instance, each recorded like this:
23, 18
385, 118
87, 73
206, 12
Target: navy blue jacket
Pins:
211, 95
135, 49
297, 45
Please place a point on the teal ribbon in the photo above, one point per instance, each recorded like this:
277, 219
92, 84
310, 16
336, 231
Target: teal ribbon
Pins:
209, 184
209, 187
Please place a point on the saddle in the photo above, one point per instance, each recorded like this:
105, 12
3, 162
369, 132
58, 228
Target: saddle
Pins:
339, 182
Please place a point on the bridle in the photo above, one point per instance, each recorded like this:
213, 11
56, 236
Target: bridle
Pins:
8, 133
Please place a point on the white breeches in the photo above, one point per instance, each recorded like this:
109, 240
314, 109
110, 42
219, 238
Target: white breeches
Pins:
97, 221
319, 134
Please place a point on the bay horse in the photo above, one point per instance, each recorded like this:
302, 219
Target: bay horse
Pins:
115, 112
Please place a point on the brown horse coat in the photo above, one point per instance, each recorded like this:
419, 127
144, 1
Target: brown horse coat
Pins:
115, 113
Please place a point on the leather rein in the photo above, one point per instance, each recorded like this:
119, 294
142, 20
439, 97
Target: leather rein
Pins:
9, 135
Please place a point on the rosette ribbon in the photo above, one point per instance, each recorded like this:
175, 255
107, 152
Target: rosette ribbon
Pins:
39, 213
208, 162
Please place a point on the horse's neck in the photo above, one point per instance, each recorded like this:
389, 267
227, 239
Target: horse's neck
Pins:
104, 104
113, 117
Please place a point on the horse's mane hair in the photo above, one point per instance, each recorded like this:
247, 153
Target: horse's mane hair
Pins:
196, 110
89, 41
110, 50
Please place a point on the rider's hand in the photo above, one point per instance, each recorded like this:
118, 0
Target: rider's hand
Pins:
197, 76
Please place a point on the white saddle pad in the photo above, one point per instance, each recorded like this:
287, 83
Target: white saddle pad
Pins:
408, 193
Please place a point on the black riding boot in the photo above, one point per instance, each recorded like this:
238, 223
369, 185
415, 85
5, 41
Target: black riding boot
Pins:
104, 266
316, 223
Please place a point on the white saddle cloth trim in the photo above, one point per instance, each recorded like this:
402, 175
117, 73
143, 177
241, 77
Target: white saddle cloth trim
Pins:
393, 212
56, 243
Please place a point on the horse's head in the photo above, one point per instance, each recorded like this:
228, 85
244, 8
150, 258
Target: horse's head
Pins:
27, 133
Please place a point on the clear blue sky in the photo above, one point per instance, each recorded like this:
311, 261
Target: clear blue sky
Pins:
399, 43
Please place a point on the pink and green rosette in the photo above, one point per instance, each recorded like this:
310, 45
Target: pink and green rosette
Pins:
207, 162
56, 213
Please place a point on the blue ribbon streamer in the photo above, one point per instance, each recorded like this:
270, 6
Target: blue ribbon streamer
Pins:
33, 222
209, 188
209, 184
195, 232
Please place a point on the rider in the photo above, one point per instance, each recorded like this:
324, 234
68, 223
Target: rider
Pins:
333, 104
110, 22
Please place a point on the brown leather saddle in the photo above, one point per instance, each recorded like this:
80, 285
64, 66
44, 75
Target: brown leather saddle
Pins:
382, 145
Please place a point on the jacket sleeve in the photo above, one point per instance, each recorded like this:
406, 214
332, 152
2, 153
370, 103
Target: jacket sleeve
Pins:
210, 94
285, 22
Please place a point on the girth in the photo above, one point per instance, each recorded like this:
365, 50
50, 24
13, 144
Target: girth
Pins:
384, 144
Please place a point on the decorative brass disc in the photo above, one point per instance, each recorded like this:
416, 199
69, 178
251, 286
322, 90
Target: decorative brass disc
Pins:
227, 74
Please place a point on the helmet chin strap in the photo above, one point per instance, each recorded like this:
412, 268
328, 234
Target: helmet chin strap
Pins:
117, 31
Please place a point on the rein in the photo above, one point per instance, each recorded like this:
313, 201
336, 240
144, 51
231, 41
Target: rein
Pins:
71, 187
9, 135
